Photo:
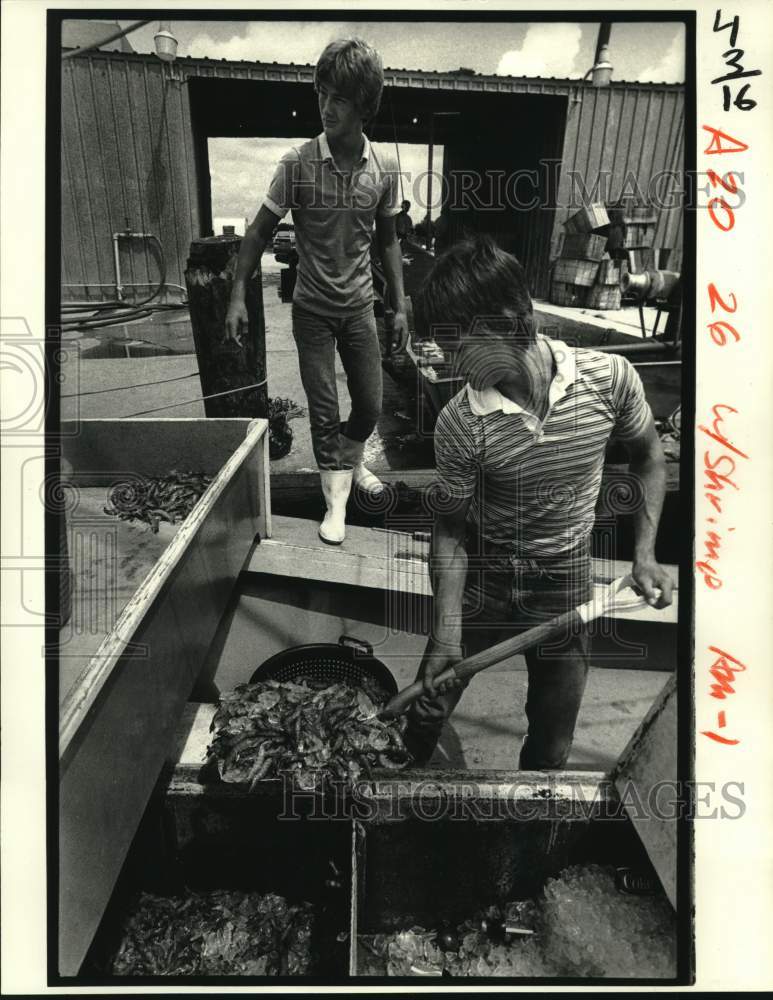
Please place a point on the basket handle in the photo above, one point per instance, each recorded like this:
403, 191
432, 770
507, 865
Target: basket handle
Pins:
360, 646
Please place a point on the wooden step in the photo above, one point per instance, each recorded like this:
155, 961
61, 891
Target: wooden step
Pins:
388, 560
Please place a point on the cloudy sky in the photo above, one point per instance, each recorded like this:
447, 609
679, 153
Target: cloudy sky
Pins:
241, 168
647, 51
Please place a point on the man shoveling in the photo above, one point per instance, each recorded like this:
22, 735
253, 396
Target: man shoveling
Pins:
520, 454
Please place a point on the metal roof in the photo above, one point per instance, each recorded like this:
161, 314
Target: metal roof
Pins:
226, 69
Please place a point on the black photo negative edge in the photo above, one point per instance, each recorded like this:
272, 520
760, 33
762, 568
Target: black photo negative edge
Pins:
685, 729
52, 453
685, 643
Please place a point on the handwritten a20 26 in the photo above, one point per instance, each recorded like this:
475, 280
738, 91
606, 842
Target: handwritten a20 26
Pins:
723, 456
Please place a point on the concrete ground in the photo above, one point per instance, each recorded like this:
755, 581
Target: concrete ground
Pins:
121, 386
124, 383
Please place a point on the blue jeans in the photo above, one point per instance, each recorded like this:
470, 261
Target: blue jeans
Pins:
503, 596
356, 339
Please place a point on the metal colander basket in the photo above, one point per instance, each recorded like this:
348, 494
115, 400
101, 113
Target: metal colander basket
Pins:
349, 661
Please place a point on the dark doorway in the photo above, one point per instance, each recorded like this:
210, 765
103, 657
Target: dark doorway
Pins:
502, 157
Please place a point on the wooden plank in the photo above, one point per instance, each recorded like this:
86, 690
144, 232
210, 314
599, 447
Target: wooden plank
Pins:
194, 736
597, 187
109, 558
72, 267
161, 168
650, 759
109, 774
132, 180
565, 184
101, 448
264, 490
75, 107
87, 687
139, 133
648, 148
171, 145
106, 164
586, 111
354, 896
385, 560
622, 141
189, 155
197, 604
119, 722
298, 485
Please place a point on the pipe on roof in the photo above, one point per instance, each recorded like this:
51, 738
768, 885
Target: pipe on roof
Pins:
105, 41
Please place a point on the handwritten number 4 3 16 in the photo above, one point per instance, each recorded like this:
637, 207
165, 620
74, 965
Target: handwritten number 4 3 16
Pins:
733, 58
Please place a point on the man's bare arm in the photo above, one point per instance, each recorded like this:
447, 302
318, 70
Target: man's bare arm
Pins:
648, 464
448, 573
251, 250
392, 260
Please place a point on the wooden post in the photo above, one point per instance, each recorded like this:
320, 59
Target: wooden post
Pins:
224, 366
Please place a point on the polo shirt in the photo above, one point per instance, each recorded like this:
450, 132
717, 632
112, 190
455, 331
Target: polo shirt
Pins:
333, 217
534, 483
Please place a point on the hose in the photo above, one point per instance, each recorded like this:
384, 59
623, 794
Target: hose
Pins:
98, 324
117, 312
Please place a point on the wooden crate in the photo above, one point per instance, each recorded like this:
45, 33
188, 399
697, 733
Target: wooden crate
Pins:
604, 297
627, 210
138, 636
610, 272
638, 235
583, 246
575, 272
589, 218
564, 294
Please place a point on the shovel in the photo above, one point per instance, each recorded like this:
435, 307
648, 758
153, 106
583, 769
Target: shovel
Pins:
617, 596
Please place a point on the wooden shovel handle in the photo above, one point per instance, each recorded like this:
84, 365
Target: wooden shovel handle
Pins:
472, 665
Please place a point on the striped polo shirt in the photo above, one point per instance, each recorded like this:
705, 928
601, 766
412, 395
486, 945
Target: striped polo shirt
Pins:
534, 485
333, 215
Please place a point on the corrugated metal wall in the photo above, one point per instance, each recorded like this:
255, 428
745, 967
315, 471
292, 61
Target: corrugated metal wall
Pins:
129, 160
631, 136
127, 163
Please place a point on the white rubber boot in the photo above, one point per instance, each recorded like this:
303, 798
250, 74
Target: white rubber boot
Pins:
336, 486
351, 454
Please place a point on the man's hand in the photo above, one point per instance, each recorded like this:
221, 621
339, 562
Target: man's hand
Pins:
236, 316
439, 656
399, 331
653, 581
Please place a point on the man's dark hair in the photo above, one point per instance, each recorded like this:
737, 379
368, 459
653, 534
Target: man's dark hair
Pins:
405, 205
475, 288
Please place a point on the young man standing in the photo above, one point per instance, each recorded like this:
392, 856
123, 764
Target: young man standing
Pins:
520, 455
336, 186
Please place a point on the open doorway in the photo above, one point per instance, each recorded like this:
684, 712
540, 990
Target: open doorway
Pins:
241, 169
